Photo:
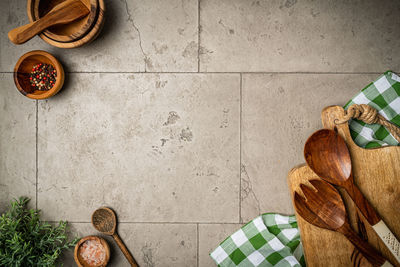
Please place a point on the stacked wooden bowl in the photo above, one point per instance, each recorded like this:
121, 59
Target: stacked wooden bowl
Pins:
70, 35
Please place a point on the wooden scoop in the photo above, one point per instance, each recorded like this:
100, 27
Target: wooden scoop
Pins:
326, 153
63, 13
324, 208
105, 221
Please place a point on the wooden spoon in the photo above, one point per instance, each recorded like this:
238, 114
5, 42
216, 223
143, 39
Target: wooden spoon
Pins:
105, 221
63, 13
324, 208
326, 153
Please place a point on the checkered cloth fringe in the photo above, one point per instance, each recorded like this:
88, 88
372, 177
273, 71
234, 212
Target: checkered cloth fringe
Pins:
268, 240
272, 239
384, 96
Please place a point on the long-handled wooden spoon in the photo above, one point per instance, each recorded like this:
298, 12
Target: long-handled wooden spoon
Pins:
105, 221
326, 153
63, 13
324, 208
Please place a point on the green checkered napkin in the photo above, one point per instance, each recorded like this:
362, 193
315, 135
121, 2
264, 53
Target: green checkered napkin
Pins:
268, 240
383, 95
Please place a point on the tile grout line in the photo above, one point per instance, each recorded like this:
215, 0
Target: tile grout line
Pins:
36, 152
212, 72
198, 36
240, 147
172, 223
198, 242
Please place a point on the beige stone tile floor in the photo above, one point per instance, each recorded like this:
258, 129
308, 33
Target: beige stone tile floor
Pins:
185, 116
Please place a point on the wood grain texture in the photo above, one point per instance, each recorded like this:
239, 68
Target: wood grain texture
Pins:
377, 174
87, 38
63, 13
73, 31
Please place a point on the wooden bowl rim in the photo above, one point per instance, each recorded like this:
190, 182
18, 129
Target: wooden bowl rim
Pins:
92, 237
59, 80
76, 36
90, 36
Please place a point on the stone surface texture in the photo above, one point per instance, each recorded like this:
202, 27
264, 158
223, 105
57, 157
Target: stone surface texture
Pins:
185, 116
292, 35
17, 143
145, 145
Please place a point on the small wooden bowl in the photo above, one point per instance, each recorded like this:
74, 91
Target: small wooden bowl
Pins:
90, 36
23, 68
81, 262
68, 32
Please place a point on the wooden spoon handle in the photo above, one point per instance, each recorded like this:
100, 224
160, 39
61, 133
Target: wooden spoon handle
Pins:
125, 250
26, 32
373, 218
373, 256
362, 203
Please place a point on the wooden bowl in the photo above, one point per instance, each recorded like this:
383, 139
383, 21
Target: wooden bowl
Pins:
90, 36
23, 68
81, 262
68, 32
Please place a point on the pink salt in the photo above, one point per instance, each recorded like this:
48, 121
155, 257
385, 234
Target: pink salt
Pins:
92, 252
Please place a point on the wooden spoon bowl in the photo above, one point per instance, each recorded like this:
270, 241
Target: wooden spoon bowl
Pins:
327, 155
81, 262
23, 68
104, 220
71, 31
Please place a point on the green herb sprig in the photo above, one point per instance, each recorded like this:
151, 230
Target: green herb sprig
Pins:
27, 241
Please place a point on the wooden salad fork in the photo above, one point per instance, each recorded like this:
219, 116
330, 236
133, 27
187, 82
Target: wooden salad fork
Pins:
323, 207
326, 153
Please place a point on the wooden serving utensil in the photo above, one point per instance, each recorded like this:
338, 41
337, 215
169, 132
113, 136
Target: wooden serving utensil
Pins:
63, 13
105, 221
324, 208
326, 153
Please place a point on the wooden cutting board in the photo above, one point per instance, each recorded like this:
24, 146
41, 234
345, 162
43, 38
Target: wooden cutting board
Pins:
377, 173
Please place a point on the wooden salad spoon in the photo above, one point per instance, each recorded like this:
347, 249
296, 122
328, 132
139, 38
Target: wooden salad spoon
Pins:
105, 221
326, 153
324, 208
63, 13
